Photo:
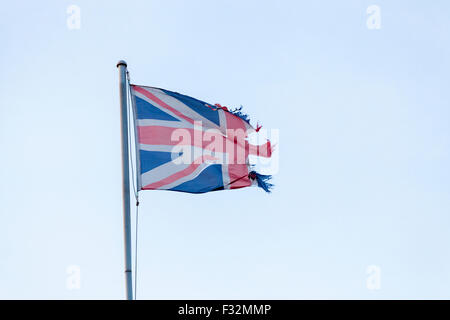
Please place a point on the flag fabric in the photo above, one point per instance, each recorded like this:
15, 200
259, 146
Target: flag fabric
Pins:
187, 145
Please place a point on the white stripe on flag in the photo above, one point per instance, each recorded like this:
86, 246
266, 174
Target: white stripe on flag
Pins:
153, 103
191, 176
184, 109
163, 123
163, 171
225, 173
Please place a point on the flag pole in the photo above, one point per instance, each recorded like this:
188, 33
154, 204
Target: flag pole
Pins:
122, 66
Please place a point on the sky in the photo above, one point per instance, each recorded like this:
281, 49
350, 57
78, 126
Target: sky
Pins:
360, 208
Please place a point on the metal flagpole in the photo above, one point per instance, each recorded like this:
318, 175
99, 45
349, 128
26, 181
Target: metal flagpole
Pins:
122, 65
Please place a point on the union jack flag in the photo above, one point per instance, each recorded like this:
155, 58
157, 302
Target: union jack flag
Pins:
188, 145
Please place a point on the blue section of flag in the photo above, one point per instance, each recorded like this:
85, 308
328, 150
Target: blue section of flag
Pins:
152, 159
198, 106
209, 179
146, 110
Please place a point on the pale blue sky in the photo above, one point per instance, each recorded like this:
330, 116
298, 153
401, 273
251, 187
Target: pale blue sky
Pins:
364, 148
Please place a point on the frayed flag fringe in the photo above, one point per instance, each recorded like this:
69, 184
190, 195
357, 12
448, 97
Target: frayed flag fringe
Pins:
262, 180
238, 112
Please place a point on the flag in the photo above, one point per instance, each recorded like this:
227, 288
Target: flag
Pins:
187, 145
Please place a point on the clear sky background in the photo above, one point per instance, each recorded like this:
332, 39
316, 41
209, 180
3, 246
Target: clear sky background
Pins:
364, 144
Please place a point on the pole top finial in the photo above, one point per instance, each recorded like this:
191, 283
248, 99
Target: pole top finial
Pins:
121, 62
